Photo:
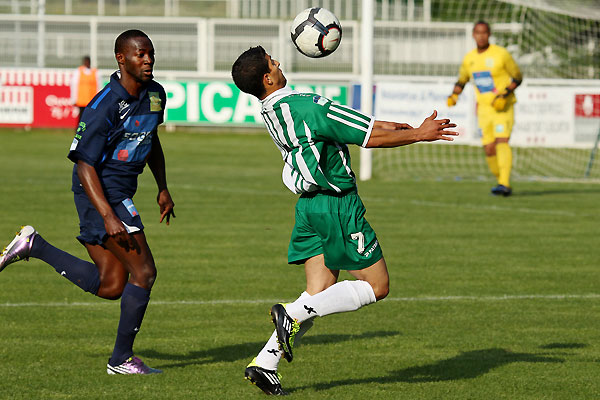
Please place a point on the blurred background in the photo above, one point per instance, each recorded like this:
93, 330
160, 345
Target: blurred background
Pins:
418, 46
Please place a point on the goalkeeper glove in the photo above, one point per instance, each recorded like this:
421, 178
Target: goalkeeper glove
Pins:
452, 99
499, 102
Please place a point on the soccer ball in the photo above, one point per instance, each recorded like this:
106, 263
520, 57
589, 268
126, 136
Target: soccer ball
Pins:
316, 32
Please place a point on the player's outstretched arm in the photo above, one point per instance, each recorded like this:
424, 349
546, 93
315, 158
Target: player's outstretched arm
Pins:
156, 162
430, 130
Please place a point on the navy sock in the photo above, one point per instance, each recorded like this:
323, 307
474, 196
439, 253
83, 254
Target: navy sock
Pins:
133, 306
82, 273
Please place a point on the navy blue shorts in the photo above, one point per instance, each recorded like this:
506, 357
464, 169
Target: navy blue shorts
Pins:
91, 224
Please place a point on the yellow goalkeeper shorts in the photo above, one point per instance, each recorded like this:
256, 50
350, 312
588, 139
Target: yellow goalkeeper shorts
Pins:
494, 124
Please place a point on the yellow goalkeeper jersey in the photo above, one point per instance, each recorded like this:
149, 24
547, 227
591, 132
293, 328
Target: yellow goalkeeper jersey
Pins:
491, 72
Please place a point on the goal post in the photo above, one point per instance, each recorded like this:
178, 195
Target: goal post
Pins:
366, 94
557, 116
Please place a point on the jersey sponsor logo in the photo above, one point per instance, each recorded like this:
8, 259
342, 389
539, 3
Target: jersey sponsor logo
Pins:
139, 136
155, 102
371, 249
81, 127
484, 81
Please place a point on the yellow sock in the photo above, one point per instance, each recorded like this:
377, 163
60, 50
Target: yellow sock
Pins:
504, 154
492, 162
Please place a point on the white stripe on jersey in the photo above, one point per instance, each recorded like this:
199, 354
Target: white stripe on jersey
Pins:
315, 151
289, 123
368, 135
346, 122
360, 118
275, 130
287, 175
344, 160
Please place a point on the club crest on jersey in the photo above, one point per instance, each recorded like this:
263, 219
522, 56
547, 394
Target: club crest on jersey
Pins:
489, 62
155, 103
319, 100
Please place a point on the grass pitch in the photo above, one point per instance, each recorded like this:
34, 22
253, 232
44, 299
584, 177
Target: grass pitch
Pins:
491, 298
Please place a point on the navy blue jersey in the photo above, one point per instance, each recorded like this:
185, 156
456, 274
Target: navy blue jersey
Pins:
115, 136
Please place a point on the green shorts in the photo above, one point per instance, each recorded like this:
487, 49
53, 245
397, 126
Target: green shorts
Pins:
333, 225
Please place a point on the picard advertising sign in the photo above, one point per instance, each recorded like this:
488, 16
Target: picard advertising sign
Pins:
41, 98
222, 102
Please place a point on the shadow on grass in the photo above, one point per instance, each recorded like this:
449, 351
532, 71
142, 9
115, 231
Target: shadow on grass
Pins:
467, 365
246, 351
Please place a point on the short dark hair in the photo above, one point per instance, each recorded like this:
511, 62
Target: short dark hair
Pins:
248, 71
124, 37
482, 22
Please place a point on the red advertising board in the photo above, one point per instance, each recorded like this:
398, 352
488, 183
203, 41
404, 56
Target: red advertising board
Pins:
37, 98
587, 105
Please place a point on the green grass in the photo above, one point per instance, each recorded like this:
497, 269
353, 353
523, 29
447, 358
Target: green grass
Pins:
491, 298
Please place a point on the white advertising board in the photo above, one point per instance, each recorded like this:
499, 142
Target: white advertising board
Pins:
545, 116
413, 102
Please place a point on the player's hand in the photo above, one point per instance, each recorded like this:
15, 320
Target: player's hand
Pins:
499, 102
435, 129
166, 205
452, 99
115, 229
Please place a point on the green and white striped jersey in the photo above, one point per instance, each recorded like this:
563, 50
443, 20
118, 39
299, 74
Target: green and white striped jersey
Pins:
312, 132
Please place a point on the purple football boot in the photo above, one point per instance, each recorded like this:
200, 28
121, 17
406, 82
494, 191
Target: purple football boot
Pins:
132, 365
19, 248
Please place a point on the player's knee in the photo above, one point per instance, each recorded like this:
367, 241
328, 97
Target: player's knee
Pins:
381, 290
144, 276
112, 291
317, 287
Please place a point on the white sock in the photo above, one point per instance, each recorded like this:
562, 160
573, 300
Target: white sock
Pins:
270, 355
341, 297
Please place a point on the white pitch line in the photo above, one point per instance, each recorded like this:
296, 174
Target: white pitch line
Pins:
267, 301
499, 208
479, 207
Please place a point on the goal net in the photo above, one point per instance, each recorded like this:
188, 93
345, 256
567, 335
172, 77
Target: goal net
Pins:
557, 116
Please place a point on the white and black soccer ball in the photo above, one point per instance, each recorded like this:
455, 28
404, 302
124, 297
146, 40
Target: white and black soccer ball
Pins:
316, 32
